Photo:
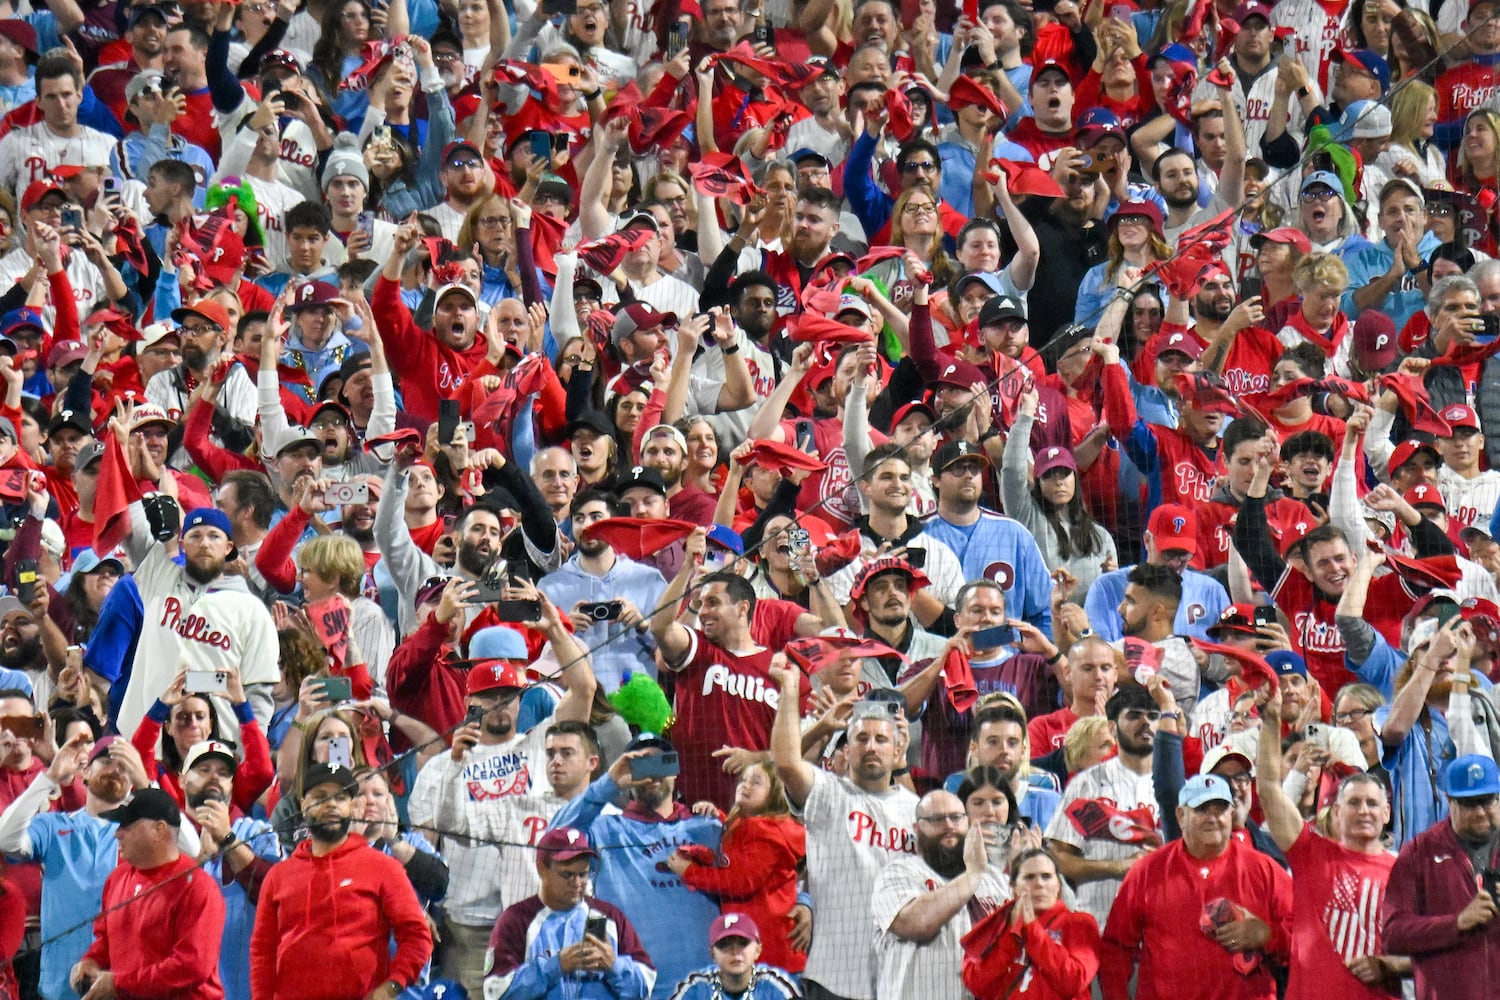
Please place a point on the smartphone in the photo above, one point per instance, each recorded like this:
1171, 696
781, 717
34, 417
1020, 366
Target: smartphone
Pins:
656, 765
111, 185
916, 558
1318, 733
207, 682
761, 35
473, 715
1489, 331
26, 581
885, 711
491, 586
541, 147
1120, 12
340, 751
344, 494
1095, 164
597, 926
602, 611
366, 223
1490, 882
24, 727
448, 418
994, 637
1250, 287
677, 39
336, 689
518, 611
1265, 615
72, 217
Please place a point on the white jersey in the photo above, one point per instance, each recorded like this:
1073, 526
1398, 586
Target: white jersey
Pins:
32, 152
1126, 791
201, 627
478, 871
668, 295
925, 969
1315, 35
86, 279
448, 218
1254, 105
852, 835
1470, 501
809, 133
942, 567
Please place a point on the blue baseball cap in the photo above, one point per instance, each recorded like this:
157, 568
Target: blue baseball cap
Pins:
1326, 178
1202, 789
1471, 776
727, 538
211, 517
498, 642
1285, 662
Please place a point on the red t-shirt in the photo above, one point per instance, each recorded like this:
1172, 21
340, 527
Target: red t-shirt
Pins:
1047, 731
1315, 635
427, 537
1335, 917
721, 700
1252, 355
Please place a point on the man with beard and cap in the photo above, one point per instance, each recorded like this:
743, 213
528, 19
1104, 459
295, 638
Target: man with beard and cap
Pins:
856, 827
162, 921
206, 332
634, 845
1095, 859
665, 450
238, 851
542, 946
1208, 879
1440, 903
596, 574
490, 760
882, 592
296, 950
1172, 539
77, 849
194, 615
923, 905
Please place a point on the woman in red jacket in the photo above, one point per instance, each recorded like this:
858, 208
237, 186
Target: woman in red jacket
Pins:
1033, 946
756, 868
190, 719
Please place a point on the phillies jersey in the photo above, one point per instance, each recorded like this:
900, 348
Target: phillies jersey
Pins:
1465, 87
1216, 527
1316, 27
1252, 355
1470, 501
998, 548
1316, 637
721, 700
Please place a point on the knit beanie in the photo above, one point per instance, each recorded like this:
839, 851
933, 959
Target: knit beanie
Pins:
346, 160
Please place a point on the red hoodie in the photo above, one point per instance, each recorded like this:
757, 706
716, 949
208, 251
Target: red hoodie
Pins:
323, 926
431, 371
758, 877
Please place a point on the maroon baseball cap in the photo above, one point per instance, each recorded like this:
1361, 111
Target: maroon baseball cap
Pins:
564, 843
961, 373
1173, 526
1251, 8
1181, 343
1374, 341
732, 925
1050, 459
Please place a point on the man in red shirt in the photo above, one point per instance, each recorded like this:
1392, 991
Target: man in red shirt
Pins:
1091, 679
159, 930
725, 695
1206, 883
1336, 941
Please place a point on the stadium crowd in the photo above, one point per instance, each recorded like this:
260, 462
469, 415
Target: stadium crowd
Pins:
701, 499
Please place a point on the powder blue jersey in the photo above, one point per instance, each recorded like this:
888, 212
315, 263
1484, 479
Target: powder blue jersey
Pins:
999, 548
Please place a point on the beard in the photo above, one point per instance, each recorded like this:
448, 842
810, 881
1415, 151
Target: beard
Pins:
502, 726
198, 360
946, 861
26, 653
1180, 202
204, 570
473, 560
330, 831
672, 476
109, 786
652, 797
199, 798
1207, 309
364, 536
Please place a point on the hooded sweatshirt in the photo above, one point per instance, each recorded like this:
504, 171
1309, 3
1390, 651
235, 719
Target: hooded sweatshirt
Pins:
757, 875
323, 926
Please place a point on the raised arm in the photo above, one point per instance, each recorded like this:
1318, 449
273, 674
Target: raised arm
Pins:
671, 638
1283, 821
786, 734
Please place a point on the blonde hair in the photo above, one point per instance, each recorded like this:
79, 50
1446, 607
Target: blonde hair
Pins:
1080, 739
1409, 112
1465, 165
337, 558
310, 738
943, 271
1320, 268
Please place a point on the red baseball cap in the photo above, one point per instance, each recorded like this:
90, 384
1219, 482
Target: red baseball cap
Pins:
907, 409
1173, 526
1425, 495
36, 191
1292, 535
206, 309
493, 675
1283, 234
1404, 452
1458, 415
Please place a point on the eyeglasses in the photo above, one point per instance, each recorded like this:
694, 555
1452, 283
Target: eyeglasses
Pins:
1243, 779
495, 222
1439, 208
447, 57
198, 329
679, 200
912, 166
1319, 194
1242, 716
938, 819
582, 876
1476, 801
466, 164
1351, 717
920, 208
332, 420
594, 8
